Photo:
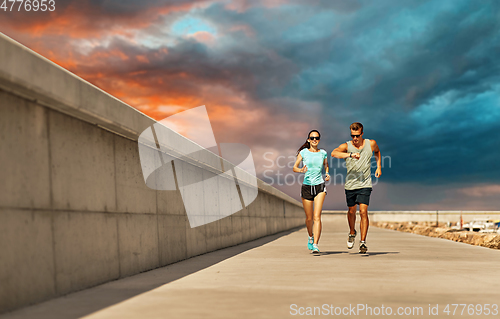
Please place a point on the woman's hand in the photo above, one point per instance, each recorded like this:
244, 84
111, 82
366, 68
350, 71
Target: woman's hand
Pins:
327, 177
303, 169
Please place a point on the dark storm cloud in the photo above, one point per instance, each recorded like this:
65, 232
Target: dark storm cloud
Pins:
133, 6
87, 18
422, 76
245, 72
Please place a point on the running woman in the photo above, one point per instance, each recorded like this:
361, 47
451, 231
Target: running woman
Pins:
313, 188
358, 184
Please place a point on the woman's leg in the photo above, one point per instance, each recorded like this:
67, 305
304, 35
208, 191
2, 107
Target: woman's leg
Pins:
318, 207
308, 208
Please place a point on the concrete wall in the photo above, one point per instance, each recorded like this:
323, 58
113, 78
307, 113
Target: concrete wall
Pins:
74, 208
421, 216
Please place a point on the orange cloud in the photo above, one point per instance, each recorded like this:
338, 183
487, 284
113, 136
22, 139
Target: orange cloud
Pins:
481, 191
83, 19
147, 80
142, 59
203, 37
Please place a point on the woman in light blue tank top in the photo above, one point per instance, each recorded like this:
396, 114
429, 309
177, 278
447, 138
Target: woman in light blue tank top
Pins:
313, 190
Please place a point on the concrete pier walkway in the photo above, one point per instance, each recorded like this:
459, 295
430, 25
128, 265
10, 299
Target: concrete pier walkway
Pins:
277, 277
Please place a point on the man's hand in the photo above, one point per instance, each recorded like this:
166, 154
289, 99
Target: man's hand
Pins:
327, 177
355, 155
303, 169
378, 172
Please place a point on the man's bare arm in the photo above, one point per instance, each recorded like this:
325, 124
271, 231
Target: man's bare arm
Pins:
341, 152
378, 156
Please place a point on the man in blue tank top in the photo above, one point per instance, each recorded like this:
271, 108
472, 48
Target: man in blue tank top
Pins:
358, 184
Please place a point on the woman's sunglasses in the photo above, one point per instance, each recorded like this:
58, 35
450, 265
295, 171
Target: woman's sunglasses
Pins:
314, 138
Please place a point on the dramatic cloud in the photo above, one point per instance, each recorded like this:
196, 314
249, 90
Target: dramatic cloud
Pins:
422, 76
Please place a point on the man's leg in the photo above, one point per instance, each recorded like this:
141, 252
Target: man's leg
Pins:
351, 219
364, 223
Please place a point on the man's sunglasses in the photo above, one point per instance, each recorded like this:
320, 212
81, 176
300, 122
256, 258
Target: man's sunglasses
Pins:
353, 135
314, 138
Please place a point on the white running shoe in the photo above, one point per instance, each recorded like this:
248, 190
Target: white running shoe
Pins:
315, 249
362, 247
351, 239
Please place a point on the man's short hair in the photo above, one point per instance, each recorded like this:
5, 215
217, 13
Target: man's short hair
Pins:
356, 126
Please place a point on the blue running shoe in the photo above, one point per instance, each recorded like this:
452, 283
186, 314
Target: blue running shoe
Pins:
310, 242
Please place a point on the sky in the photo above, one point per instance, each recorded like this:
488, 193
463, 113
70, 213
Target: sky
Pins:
422, 76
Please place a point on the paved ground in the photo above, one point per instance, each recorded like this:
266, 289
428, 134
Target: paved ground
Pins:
274, 276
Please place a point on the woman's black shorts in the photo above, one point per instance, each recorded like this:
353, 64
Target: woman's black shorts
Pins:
310, 191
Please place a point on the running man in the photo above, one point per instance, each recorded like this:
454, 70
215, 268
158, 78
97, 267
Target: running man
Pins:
358, 184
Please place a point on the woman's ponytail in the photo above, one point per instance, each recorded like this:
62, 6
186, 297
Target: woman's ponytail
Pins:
305, 145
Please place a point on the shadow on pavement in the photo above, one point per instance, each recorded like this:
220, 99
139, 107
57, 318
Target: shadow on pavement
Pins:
325, 253
379, 253
88, 301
